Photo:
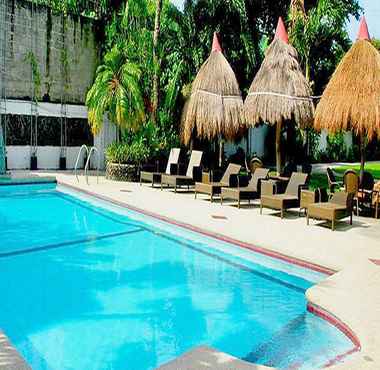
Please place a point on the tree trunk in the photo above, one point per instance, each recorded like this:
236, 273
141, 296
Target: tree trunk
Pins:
278, 147
156, 62
362, 155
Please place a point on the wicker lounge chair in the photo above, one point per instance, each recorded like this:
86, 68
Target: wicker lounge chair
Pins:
290, 199
376, 198
332, 181
351, 185
250, 192
366, 191
171, 169
214, 188
184, 180
339, 207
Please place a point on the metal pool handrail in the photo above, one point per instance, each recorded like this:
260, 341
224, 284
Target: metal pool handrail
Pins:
78, 158
96, 151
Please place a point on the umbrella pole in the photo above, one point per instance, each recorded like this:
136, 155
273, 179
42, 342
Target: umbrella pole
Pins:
362, 155
278, 147
221, 153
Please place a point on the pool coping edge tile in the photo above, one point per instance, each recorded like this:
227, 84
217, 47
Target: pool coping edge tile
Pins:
311, 307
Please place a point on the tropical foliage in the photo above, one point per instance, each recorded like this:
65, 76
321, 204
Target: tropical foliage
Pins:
376, 43
116, 91
145, 75
319, 34
123, 153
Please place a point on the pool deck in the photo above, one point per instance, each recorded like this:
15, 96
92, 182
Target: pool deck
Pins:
349, 298
9, 357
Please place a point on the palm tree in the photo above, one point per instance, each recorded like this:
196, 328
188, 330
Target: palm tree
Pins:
116, 92
322, 26
156, 62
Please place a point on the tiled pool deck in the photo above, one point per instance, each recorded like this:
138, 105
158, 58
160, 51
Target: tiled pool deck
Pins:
350, 297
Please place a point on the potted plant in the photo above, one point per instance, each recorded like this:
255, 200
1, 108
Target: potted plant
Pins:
124, 160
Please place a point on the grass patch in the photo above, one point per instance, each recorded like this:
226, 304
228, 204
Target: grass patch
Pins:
318, 180
374, 168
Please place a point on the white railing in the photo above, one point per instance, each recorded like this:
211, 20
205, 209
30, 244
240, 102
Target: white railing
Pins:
83, 147
96, 151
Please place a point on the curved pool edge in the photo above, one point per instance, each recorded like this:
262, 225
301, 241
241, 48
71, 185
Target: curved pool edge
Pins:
340, 325
254, 248
350, 300
319, 310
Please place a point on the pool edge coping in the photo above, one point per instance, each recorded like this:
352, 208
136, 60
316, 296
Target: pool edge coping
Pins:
311, 307
254, 248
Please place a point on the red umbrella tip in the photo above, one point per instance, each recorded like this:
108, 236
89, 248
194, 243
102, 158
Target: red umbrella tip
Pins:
363, 30
281, 31
215, 43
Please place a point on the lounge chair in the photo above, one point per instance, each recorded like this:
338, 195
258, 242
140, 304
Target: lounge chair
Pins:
171, 169
290, 199
250, 192
366, 189
332, 181
184, 180
337, 208
376, 198
214, 188
351, 185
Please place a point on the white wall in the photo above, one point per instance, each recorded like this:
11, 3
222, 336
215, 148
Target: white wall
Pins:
18, 157
256, 137
107, 135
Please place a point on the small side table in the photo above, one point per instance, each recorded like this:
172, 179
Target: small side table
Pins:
281, 183
308, 197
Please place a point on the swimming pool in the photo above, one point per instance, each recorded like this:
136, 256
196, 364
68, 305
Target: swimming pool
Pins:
89, 285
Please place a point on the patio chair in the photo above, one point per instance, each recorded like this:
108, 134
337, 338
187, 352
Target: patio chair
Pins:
214, 188
254, 164
376, 198
332, 181
337, 208
171, 169
250, 192
191, 174
366, 189
351, 185
291, 197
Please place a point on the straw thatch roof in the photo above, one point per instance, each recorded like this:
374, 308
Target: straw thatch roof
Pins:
279, 91
351, 100
215, 106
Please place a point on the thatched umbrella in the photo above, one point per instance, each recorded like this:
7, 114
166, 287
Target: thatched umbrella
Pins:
280, 91
351, 100
215, 106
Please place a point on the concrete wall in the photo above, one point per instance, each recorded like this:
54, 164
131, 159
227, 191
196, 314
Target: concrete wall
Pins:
107, 136
65, 47
256, 137
18, 157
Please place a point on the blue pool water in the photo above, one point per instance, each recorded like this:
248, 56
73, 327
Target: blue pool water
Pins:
86, 285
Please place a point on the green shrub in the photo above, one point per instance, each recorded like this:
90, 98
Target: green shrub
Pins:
135, 153
336, 150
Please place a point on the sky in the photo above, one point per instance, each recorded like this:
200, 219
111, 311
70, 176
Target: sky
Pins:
371, 12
